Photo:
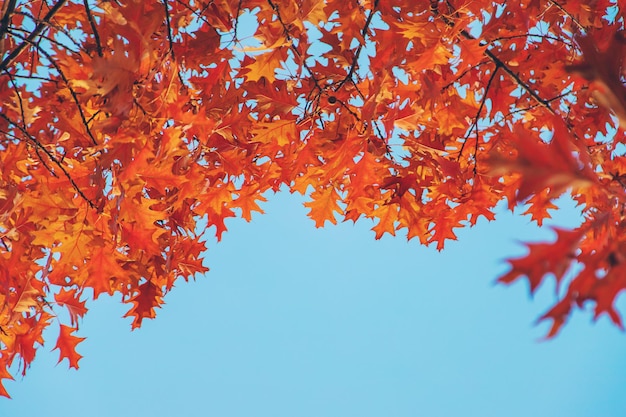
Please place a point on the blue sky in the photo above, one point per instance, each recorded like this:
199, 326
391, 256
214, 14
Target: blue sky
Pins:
297, 321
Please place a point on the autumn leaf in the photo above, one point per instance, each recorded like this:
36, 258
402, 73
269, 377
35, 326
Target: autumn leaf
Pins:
66, 343
29, 295
144, 302
559, 313
4, 374
323, 206
265, 65
104, 267
603, 69
545, 258
71, 300
388, 216
539, 204
248, 203
443, 230
280, 132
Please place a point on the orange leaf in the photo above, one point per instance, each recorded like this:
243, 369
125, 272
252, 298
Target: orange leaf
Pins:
71, 301
66, 343
4, 374
264, 65
388, 216
103, 267
324, 206
280, 132
443, 229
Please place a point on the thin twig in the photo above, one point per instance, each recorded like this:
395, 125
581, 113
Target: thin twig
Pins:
51, 24
474, 125
6, 62
530, 35
434, 7
14, 31
169, 30
52, 158
293, 47
33, 77
519, 81
37, 151
69, 87
19, 98
236, 21
534, 106
357, 54
94, 29
7, 11
568, 14
195, 12
22, 112
170, 39
463, 74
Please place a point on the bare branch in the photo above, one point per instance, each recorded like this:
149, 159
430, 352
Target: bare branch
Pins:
236, 21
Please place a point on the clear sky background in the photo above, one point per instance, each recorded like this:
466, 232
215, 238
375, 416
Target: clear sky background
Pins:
303, 322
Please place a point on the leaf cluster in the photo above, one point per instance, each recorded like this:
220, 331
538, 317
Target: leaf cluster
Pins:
129, 128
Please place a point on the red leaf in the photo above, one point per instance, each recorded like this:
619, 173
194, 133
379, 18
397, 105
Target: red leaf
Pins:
603, 70
147, 298
558, 314
545, 258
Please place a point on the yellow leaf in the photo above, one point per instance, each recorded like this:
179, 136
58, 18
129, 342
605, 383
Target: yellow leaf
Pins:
413, 30
265, 65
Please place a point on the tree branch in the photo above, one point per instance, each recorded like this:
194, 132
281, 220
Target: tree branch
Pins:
58, 163
6, 62
568, 14
67, 84
294, 48
357, 54
7, 11
434, 7
168, 22
94, 29
474, 125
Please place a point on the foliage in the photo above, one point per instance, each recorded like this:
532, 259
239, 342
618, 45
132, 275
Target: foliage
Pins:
127, 127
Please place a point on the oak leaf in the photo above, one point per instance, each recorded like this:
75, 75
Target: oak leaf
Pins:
148, 297
66, 343
71, 300
323, 206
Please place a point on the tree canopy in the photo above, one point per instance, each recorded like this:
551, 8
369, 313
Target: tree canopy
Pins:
128, 128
